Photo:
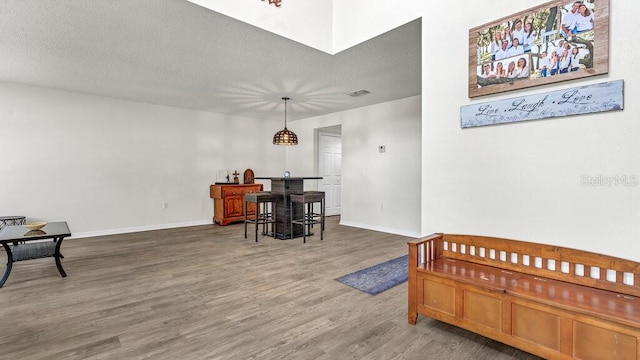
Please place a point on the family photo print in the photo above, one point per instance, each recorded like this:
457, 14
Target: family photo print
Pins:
555, 41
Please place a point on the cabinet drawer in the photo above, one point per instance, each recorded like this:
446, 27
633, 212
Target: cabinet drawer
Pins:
239, 190
252, 189
232, 191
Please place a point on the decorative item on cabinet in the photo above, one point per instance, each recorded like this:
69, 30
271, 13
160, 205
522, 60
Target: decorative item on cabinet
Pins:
249, 176
222, 176
228, 201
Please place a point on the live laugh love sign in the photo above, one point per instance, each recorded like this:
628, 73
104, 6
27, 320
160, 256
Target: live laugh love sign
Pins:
587, 99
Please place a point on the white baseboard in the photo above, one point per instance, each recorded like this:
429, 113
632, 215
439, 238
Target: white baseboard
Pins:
138, 229
381, 229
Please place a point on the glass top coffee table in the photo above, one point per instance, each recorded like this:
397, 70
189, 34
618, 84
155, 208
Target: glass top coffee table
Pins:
19, 244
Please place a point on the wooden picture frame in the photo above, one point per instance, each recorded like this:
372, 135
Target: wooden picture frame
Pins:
489, 71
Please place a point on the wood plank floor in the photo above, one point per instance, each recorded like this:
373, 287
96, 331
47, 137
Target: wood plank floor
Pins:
204, 292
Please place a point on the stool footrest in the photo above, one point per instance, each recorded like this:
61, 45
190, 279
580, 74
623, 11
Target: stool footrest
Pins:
264, 216
309, 217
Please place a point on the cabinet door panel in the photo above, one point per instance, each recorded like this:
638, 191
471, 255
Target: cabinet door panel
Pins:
234, 206
440, 297
595, 343
537, 326
483, 309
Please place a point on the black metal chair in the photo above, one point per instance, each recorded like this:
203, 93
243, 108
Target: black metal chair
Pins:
265, 204
309, 216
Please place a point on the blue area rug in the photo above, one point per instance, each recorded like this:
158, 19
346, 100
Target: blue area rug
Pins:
378, 278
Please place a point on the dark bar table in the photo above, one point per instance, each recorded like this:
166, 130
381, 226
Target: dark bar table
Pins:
285, 186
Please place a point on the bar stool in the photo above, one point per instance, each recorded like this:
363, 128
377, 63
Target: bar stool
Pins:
309, 217
265, 217
311, 209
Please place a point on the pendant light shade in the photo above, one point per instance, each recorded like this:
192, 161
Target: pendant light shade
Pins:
285, 136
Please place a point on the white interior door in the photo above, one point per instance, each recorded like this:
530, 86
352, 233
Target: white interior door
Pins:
330, 168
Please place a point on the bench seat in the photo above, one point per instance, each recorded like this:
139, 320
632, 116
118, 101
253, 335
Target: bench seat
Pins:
604, 304
483, 276
554, 302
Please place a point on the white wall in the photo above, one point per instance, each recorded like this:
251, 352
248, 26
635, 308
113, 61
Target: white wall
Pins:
327, 25
355, 21
107, 165
307, 22
523, 181
380, 191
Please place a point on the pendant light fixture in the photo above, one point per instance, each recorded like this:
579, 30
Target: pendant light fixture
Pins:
285, 136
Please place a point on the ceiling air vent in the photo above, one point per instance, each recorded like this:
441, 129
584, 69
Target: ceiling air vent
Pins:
358, 93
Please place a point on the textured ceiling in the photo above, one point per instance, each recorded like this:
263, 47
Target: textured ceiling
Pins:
175, 53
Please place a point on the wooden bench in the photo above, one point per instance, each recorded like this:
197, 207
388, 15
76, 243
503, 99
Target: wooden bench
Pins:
551, 301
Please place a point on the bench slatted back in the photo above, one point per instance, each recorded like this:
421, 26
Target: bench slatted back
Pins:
548, 261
